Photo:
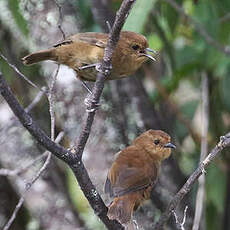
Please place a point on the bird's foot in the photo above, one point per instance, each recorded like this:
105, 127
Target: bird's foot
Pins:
91, 104
94, 65
97, 66
86, 87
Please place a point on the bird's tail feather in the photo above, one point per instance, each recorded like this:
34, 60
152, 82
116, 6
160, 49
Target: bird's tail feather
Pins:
38, 56
121, 208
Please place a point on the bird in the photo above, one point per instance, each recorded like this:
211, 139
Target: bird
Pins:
83, 51
134, 173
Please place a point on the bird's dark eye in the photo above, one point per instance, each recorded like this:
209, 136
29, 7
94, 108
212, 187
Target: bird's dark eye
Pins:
157, 141
135, 47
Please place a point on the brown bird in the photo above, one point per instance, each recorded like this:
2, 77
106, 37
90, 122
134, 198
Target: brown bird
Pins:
134, 173
83, 51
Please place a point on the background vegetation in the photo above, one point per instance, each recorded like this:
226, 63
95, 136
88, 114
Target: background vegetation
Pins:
187, 88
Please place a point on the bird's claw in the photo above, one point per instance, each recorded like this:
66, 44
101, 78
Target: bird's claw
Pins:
72, 150
88, 66
106, 70
203, 170
221, 142
91, 104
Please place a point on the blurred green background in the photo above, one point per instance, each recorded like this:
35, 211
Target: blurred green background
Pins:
166, 94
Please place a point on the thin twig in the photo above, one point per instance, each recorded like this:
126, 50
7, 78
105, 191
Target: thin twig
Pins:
14, 122
179, 224
225, 18
51, 99
28, 186
105, 69
223, 143
204, 150
74, 159
36, 100
200, 29
19, 73
20, 170
102, 13
174, 107
12, 218
60, 20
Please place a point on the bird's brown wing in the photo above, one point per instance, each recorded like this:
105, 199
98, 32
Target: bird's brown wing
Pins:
95, 39
65, 42
128, 180
128, 176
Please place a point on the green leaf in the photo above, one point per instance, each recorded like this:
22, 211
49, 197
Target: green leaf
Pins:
188, 109
139, 15
81, 203
155, 42
216, 188
225, 85
18, 17
170, 14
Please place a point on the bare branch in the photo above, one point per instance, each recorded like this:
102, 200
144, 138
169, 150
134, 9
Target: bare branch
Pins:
19, 73
36, 100
60, 20
204, 151
223, 143
29, 184
12, 218
102, 13
74, 159
225, 18
14, 121
180, 225
204, 148
51, 99
15, 172
105, 69
174, 107
198, 27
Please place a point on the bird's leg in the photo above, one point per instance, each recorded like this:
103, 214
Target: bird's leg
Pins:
130, 225
97, 66
135, 224
109, 26
91, 104
86, 87
88, 66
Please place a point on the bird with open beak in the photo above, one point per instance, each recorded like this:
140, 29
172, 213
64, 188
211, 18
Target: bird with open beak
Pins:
83, 51
134, 173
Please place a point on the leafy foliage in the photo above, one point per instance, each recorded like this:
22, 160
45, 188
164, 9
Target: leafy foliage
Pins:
183, 56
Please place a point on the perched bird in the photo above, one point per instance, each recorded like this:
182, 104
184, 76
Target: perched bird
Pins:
83, 51
134, 173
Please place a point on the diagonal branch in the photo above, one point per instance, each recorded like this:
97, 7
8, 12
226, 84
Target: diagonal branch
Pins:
73, 159
198, 27
29, 184
199, 210
20, 74
104, 71
223, 143
179, 224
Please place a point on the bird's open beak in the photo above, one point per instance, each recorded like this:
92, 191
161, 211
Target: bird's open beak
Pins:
169, 145
151, 51
148, 55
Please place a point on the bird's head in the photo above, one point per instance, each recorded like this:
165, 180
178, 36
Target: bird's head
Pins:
136, 47
156, 142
